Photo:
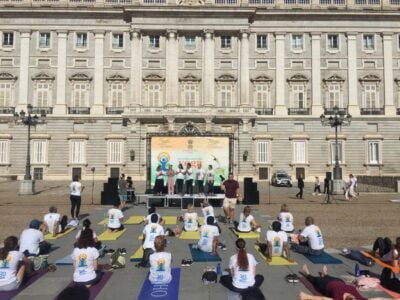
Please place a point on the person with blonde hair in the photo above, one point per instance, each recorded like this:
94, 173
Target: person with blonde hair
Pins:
246, 222
190, 219
286, 219
160, 262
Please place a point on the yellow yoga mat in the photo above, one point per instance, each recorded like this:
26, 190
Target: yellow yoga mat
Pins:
137, 255
246, 235
134, 220
110, 236
190, 235
104, 221
169, 220
140, 237
200, 220
276, 260
50, 236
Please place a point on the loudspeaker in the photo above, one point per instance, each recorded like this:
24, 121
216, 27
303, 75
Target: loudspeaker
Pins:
248, 188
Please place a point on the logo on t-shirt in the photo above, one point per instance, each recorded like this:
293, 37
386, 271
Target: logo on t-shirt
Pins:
5, 264
82, 260
318, 232
161, 265
287, 219
153, 229
276, 244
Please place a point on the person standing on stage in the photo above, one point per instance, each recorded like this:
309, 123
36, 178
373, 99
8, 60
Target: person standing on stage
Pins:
189, 179
200, 180
231, 189
75, 197
170, 181
210, 180
300, 185
180, 176
159, 183
123, 193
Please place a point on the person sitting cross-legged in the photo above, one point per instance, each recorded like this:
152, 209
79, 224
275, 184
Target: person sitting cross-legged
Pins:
160, 263
190, 219
115, 217
32, 241
310, 239
247, 222
209, 237
150, 211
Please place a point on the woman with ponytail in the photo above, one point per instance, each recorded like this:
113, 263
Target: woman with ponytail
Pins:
86, 225
243, 271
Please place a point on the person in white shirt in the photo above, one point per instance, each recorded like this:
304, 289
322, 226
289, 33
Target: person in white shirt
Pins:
160, 263
276, 243
243, 271
286, 219
150, 232
32, 241
208, 211
180, 176
115, 217
351, 191
189, 179
190, 219
246, 222
210, 180
152, 210
159, 183
209, 237
200, 174
84, 259
75, 197
310, 239
53, 221
12, 265
86, 225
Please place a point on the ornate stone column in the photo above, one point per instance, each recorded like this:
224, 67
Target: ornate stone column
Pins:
244, 68
390, 108
25, 37
61, 105
98, 102
136, 67
353, 106
171, 81
316, 74
208, 69
280, 106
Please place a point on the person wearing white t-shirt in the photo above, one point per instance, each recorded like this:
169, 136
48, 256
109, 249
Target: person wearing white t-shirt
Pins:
84, 259
208, 211
75, 197
310, 239
190, 219
200, 174
160, 263
286, 218
54, 222
246, 222
159, 183
115, 217
150, 232
180, 177
12, 265
32, 241
243, 271
210, 180
276, 243
152, 210
189, 179
208, 237
351, 191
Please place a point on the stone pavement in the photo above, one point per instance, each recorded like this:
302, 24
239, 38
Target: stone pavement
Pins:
126, 283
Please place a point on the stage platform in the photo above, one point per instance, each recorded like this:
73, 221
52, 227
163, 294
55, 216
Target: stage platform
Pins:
181, 201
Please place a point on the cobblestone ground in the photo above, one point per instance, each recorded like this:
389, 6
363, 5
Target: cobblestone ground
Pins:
343, 223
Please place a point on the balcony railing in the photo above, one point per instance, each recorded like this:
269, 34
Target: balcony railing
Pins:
372, 111
264, 111
7, 110
299, 111
114, 110
331, 111
79, 110
40, 110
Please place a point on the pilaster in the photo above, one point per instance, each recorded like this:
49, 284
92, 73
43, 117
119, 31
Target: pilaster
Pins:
136, 67
98, 105
390, 108
244, 68
61, 106
208, 68
280, 106
172, 88
353, 107
316, 107
25, 37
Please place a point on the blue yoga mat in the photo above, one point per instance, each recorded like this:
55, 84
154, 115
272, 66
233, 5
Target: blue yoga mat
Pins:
198, 255
324, 258
165, 292
66, 261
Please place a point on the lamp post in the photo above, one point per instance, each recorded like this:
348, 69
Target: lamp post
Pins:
27, 186
338, 119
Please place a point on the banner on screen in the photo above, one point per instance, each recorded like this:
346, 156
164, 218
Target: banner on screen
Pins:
198, 151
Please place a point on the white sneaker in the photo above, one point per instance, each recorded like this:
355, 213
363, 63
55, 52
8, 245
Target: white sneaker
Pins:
258, 230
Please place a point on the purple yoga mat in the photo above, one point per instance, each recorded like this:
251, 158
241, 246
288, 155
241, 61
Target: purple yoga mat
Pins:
25, 283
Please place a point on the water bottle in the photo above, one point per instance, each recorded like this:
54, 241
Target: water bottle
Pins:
357, 270
218, 268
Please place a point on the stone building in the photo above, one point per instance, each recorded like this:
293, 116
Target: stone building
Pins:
258, 71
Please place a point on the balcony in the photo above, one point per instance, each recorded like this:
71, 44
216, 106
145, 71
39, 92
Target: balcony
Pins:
79, 110
7, 110
330, 111
372, 111
264, 111
114, 110
299, 111
38, 110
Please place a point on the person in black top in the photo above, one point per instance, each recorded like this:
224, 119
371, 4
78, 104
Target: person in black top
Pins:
300, 185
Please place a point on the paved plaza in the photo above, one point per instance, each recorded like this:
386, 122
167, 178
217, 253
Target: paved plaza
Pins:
347, 224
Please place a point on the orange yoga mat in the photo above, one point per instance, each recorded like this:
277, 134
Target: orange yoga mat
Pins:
381, 263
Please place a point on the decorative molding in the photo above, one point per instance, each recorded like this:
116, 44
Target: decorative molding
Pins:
332, 137
43, 76
80, 77
190, 77
117, 77
78, 136
333, 78
370, 78
40, 136
298, 78
262, 78
7, 76
372, 137
226, 77
153, 77
189, 130
299, 137
5, 136
263, 137
115, 137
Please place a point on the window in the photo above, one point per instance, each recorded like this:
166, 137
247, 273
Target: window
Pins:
39, 151
262, 42
8, 39
80, 94
262, 96
44, 39
190, 42
38, 173
262, 152
299, 152
190, 94
6, 93
226, 42
115, 152
368, 42
116, 94
226, 95
154, 41
77, 152
117, 41
43, 94
373, 152
81, 40
333, 98
370, 96
154, 91
333, 42
4, 151
297, 42
333, 152
298, 96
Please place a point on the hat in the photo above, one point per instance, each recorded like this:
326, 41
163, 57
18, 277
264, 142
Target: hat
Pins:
35, 224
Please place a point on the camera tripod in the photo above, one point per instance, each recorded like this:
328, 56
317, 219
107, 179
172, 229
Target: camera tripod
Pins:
329, 199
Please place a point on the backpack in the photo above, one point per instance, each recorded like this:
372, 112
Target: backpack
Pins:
40, 262
117, 260
209, 277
